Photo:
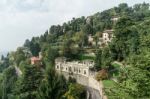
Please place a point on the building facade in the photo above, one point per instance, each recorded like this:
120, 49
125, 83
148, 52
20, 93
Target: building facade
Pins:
91, 40
36, 60
115, 19
74, 67
107, 36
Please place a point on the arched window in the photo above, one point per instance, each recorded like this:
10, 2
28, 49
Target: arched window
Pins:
57, 67
70, 70
61, 68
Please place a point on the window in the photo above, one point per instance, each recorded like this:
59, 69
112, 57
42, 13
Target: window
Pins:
70, 70
57, 67
85, 72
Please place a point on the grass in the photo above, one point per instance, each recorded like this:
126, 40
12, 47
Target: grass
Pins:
115, 65
115, 72
84, 57
108, 83
109, 86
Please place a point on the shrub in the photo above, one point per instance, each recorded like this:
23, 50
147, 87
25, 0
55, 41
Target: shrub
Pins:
102, 75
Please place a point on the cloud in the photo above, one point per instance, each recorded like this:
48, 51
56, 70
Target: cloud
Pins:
23, 5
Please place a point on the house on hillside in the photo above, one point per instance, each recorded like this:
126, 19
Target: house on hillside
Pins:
91, 40
115, 19
74, 67
88, 20
107, 36
36, 60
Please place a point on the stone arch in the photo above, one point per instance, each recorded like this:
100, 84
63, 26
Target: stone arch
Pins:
70, 69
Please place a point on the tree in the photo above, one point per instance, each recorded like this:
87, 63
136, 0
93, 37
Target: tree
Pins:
56, 30
123, 33
106, 58
27, 43
134, 81
2, 57
134, 77
69, 49
4, 64
139, 74
8, 82
53, 86
98, 60
76, 91
1, 87
49, 55
87, 29
28, 84
35, 48
19, 56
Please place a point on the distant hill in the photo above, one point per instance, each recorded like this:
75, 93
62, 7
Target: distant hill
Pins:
3, 53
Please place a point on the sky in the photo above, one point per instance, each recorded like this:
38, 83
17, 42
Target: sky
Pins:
23, 19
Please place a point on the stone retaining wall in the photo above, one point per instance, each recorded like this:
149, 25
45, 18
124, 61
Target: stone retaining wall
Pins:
87, 81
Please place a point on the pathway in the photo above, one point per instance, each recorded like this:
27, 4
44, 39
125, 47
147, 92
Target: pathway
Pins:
18, 71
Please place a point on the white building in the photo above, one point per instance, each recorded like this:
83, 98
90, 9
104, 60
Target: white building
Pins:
74, 67
107, 36
91, 40
88, 20
115, 19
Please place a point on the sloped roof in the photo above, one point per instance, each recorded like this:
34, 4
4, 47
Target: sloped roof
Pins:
35, 59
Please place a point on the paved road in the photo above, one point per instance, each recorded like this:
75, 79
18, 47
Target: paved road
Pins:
94, 94
18, 71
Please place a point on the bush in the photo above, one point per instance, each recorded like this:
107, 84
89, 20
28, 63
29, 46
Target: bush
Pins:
75, 91
102, 75
71, 80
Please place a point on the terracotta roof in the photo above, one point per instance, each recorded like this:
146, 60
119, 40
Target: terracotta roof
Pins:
35, 58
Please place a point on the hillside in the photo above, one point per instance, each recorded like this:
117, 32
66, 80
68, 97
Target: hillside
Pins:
117, 40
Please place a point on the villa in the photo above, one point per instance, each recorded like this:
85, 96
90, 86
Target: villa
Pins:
35, 60
106, 37
74, 67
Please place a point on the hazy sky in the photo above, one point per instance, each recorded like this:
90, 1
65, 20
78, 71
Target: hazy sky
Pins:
22, 19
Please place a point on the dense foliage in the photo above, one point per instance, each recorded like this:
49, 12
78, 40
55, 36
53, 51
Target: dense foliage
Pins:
130, 46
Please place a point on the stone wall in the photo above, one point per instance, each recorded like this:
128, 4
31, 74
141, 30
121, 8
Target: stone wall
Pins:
93, 83
75, 67
83, 80
89, 81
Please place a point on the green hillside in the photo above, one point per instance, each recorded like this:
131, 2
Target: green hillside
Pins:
126, 58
